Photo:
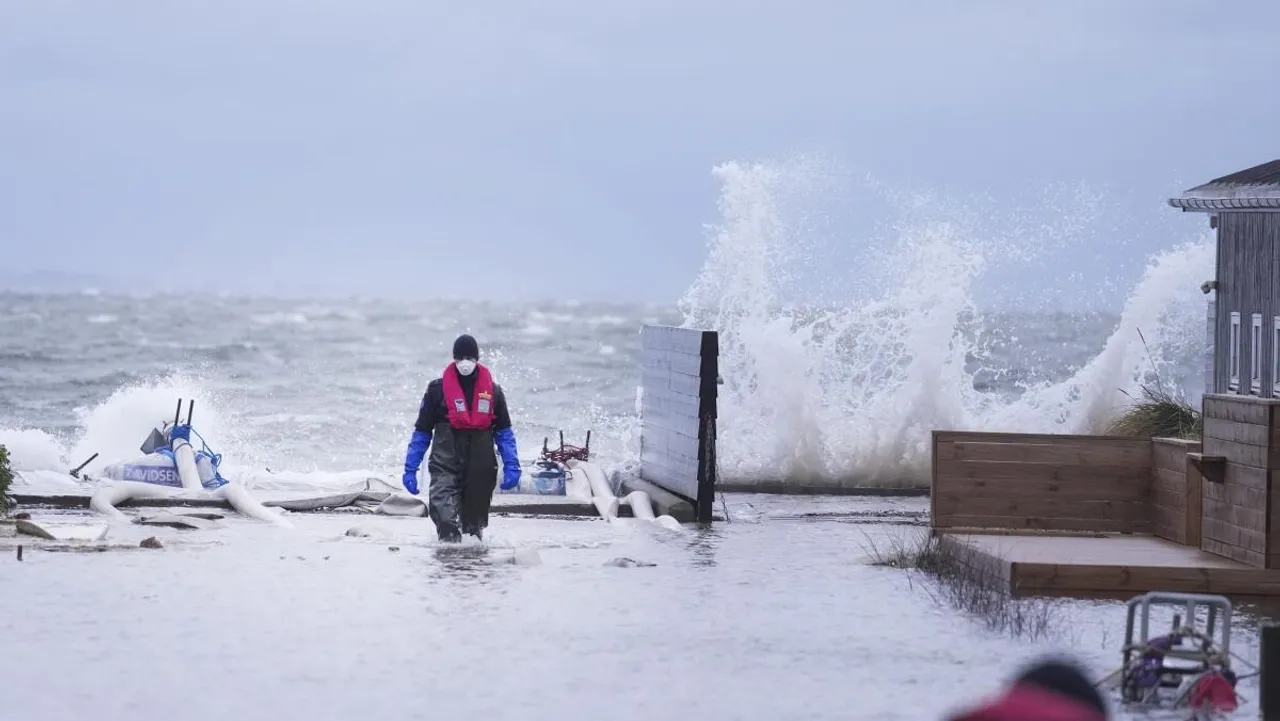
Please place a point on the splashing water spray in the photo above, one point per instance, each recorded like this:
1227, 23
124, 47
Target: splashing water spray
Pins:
847, 395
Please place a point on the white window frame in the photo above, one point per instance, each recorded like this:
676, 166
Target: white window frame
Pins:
1233, 353
1275, 356
1255, 354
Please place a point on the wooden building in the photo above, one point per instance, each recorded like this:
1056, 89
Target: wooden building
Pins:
1199, 516
1244, 207
1240, 449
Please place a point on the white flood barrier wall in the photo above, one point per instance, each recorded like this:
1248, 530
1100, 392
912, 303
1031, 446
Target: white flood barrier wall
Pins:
678, 392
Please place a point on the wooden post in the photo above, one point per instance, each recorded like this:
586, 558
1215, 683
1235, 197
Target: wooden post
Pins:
708, 402
1269, 672
1193, 515
678, 411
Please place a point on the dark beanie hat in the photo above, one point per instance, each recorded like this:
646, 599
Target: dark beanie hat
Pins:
465, 347
1065, 678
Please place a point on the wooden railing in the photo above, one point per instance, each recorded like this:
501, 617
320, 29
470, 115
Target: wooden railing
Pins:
1214, 495
1041, 482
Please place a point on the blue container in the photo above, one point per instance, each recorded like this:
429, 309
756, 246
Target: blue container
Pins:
548, 479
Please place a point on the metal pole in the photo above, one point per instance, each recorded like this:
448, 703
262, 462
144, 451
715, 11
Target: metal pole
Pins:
1227, 614
1128, 635
1269, 672
75, 472
1146, 620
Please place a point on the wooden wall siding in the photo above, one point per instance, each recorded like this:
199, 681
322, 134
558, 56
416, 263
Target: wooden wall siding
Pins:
1176, 505
1248, 275
1041, 482
1211, 324
1238, 510
1271, 306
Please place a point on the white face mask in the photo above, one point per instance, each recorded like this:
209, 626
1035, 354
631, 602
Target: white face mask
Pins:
465, 367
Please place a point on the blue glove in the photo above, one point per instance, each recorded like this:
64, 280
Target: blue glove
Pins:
505, 440
413, 459
510, 477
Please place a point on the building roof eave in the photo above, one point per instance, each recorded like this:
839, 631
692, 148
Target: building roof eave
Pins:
1191, 203
1256, 189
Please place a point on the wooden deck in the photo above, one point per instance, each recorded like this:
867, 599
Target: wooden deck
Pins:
1039, 564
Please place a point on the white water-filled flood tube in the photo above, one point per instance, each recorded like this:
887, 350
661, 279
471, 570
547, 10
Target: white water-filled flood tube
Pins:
776, 614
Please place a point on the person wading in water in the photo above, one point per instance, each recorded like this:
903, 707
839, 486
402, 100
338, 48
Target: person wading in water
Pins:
463, 417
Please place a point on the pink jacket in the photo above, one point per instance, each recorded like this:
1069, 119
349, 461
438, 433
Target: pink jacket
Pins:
1029, 702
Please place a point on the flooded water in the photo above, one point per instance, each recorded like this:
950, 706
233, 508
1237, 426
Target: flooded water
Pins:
775, 614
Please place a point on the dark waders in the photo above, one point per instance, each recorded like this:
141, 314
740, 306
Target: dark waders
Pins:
464, 471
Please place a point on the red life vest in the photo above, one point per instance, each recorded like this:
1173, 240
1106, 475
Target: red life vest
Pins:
476, 415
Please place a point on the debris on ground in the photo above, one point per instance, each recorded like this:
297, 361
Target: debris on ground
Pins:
28, 528
623, 562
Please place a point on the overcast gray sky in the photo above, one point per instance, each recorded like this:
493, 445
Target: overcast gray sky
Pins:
509, 148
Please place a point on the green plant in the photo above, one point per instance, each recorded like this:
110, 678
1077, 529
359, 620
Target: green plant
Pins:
1158, 414
6, 479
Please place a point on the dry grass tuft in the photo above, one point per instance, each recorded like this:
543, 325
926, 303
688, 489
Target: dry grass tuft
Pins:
954, 576
1159, 415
